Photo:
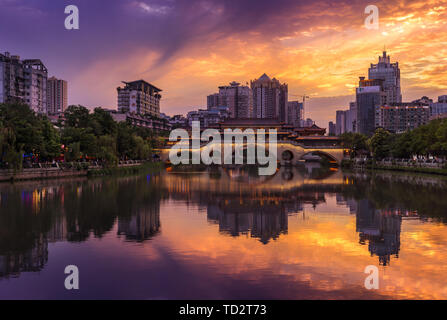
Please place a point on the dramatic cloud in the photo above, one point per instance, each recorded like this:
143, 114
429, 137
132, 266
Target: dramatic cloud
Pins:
189, 47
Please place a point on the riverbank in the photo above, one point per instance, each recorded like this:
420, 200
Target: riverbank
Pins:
349, 164
58, 173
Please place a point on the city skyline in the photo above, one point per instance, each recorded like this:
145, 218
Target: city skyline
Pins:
318, 50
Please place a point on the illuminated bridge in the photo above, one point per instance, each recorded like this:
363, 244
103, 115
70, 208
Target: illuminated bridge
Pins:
288, 152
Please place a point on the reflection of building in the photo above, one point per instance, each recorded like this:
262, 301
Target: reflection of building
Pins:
59, 230
381, 229
143, 225
262, 220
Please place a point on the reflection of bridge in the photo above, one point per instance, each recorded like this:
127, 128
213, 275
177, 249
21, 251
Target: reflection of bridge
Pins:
288, 152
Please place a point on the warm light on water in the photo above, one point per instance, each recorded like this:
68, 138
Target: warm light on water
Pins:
226, 234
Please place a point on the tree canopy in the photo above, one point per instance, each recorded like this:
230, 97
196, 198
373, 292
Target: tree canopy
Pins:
83, 134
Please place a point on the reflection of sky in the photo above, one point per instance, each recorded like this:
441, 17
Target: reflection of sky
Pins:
183, 254
319, 249
320, 257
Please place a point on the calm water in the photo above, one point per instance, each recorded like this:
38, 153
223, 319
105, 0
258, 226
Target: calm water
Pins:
302, 234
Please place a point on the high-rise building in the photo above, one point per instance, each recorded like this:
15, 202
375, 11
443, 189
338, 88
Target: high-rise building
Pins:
12, 84
213, 101
208, 118
369, 96
295, 113
139, 97
346, 120
390, 74
332, 129
237, 98
57, 95
340, 124
438, 108
401, 117
351, 118
270, 98
23, 81
308, 123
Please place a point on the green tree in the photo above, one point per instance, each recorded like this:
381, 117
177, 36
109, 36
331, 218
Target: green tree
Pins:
107, 150
379, 144
77, 117
356, 142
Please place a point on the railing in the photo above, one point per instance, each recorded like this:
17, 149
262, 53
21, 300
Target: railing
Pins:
408, 163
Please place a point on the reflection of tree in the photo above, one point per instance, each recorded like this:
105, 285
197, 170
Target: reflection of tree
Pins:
31, 216
24, 220
31, 260
407, 193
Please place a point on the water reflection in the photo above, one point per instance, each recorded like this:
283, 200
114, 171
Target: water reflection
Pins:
309, 207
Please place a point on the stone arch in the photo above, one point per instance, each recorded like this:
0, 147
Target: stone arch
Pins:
287, 155
330, 157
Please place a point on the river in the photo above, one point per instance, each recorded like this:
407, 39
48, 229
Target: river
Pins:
304, 233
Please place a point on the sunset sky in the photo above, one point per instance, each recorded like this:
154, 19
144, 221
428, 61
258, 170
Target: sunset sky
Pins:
189, 47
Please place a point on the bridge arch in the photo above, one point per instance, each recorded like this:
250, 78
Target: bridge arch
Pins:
321, 153
287, 155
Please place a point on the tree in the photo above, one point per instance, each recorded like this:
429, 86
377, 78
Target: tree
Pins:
107, 150
102, 123
77, 117
379, 144
356, 142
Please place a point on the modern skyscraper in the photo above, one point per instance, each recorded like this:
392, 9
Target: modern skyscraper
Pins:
270, 98
332, 129
351, 118
237, 98
295, 113
139, 97
57, 95
369, 96
23, 82
390, 74
340, 125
